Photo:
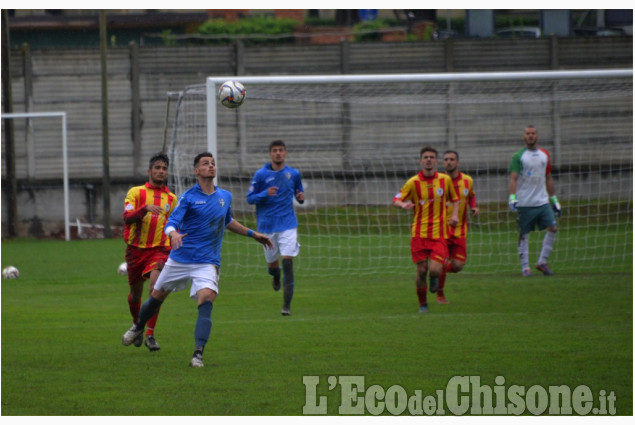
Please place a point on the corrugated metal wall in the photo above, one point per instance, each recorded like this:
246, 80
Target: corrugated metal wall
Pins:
69, 80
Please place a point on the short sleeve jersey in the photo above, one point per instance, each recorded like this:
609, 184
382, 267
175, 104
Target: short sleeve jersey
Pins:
203, 218
147, 232
533, 166
429, 195
464, 188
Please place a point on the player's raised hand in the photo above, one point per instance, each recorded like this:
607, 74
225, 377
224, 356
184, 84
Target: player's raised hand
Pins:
272, 191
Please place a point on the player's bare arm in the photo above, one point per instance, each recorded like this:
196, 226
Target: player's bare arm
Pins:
408, 205
454, 220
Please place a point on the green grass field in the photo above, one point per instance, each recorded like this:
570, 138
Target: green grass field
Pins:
63, 319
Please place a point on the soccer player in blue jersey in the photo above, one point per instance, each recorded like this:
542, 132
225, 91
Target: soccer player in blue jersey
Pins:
531, 189
195, 228
272, 190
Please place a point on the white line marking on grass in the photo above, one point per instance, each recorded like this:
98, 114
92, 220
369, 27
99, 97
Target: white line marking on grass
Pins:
416, 315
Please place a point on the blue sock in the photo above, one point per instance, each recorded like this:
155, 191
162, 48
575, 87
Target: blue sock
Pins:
275, 272
148, 309
288, 281
203, 326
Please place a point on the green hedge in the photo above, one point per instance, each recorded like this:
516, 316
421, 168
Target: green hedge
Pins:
265, 27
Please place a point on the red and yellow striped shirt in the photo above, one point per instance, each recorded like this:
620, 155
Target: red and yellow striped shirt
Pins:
147, 230
464, 188
429, 195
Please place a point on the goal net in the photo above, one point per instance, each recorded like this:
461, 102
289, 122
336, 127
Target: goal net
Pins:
356, 140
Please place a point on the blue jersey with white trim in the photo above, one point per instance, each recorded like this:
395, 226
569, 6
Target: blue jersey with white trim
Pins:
203, 218
275, 213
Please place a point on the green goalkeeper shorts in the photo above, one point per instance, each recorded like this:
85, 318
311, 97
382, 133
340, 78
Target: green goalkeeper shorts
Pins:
531, 217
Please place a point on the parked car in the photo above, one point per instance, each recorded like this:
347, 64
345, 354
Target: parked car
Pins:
518, 32
601, 32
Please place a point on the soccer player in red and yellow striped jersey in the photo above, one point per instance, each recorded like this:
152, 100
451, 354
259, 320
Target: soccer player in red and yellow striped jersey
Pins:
146, 210
457, 238
428, 194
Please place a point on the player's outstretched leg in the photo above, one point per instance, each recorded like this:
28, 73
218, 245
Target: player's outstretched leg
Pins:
547, 246
148, 309
202, 331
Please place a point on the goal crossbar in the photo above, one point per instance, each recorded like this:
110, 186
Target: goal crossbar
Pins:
355, 138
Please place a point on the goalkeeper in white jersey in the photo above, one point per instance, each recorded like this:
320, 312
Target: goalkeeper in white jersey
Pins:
273, 189
531, 190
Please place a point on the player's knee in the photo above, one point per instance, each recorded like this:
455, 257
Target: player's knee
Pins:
457, 266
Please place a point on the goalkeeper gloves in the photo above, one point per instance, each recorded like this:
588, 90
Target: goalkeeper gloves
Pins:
557, 209
513, 202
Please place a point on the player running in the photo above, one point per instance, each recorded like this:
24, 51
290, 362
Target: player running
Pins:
196, 229
146, 210
428, 193
457, 240
272, 190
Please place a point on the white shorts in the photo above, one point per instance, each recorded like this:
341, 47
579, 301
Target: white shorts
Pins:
284, 244
175, 276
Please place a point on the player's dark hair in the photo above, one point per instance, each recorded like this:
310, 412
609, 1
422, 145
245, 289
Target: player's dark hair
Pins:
451, 151
428, 149
277, 143
159, 157
202, 155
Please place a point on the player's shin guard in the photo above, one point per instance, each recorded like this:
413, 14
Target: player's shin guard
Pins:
288, 280
523, 250
547, 246
422, 295
440, 292
134, 307
203, 326
148, 309
152, 322
274, 271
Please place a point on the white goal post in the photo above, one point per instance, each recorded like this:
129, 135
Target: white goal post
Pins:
356, 140
62, 115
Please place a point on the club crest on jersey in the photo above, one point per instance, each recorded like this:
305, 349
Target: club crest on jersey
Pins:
465, 192
287, 175
440, 191
167, 207
221, 201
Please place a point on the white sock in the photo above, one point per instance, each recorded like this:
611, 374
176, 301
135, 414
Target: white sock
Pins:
523, 250
547, 246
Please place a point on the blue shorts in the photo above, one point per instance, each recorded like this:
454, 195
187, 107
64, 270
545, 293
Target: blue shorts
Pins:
531, 217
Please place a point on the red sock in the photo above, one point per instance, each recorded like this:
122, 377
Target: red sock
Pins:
441, 284
134, 308
151, 323
422, 294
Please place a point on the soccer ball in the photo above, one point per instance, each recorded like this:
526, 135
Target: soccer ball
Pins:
10, 272
231, 94
122, 269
